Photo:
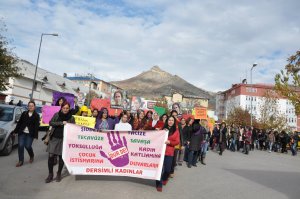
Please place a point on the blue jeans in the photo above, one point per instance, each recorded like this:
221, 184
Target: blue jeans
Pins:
294, 149
204, 148
270, 146
165, 170
232, 145
192, 159
186, 153
25, 140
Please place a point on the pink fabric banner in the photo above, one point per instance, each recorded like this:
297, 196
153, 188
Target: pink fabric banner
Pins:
138, 154
48, 112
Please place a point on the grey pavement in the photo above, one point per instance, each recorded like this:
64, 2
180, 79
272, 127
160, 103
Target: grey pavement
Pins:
233, 175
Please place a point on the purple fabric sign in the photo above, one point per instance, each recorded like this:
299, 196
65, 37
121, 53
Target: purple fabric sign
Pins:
48, 112
68, 96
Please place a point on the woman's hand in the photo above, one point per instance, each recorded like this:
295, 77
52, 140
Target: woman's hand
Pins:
64, 122
167, 142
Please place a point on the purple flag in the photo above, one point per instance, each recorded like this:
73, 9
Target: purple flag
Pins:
68, 96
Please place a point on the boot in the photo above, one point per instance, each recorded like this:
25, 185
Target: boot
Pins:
49, 178
58, 177
20, 163
55, 160
31, 159
203, 160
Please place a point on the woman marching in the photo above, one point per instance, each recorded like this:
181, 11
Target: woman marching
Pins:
27, 129
195, 143
55, 145
173, 140
222, 139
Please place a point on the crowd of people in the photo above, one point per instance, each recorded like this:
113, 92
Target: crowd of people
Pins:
245, 139
187, 143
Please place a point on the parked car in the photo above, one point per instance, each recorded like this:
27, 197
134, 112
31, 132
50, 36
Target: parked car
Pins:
9, 116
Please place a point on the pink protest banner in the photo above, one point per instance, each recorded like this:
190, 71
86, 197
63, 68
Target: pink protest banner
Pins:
48, 112
116, 153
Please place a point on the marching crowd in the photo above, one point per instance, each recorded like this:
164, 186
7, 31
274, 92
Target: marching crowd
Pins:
187, 143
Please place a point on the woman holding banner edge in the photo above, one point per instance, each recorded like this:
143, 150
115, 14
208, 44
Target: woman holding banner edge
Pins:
173, 140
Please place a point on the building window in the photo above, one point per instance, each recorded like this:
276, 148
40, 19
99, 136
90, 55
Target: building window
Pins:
251, 90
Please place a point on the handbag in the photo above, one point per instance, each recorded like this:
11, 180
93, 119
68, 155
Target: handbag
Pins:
48, 135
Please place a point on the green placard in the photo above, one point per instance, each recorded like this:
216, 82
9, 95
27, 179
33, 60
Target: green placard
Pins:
160, 110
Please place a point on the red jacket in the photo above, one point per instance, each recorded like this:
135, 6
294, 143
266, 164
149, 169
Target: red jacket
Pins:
159, 125
174, 140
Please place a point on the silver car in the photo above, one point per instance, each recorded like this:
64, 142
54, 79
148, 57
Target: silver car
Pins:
9, 116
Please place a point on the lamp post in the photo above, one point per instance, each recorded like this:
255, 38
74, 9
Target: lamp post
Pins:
89, 96
254, 65
37, 61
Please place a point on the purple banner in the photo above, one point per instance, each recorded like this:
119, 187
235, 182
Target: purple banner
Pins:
68, 96
48, 112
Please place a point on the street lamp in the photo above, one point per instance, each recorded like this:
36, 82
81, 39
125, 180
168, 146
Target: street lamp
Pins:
37, 61
89, 96
254, 65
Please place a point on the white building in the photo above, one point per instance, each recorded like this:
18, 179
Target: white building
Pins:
241, 95
46, 82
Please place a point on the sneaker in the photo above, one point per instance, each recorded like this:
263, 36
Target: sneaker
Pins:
159, 189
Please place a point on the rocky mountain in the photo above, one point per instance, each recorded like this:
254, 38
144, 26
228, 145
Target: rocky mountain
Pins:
156, 83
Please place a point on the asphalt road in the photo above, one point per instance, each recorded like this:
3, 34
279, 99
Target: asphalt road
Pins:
233, 175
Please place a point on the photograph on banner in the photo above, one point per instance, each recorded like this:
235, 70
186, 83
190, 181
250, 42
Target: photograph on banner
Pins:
137, 103
114, 153
176, 106
81, 96
117, 99
69, 97
126, 104
48, 112
149, 104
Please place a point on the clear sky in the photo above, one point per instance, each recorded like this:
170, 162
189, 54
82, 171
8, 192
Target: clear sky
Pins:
210, 43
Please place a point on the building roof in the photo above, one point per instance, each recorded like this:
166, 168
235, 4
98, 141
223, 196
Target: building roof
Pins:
83, 78
51, 80
187, 96
260, 85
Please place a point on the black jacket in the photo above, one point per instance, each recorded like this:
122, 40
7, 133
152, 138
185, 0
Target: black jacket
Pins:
197, 137
32, 123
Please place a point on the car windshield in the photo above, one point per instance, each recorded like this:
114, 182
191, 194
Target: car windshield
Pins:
6, 114
38, 109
